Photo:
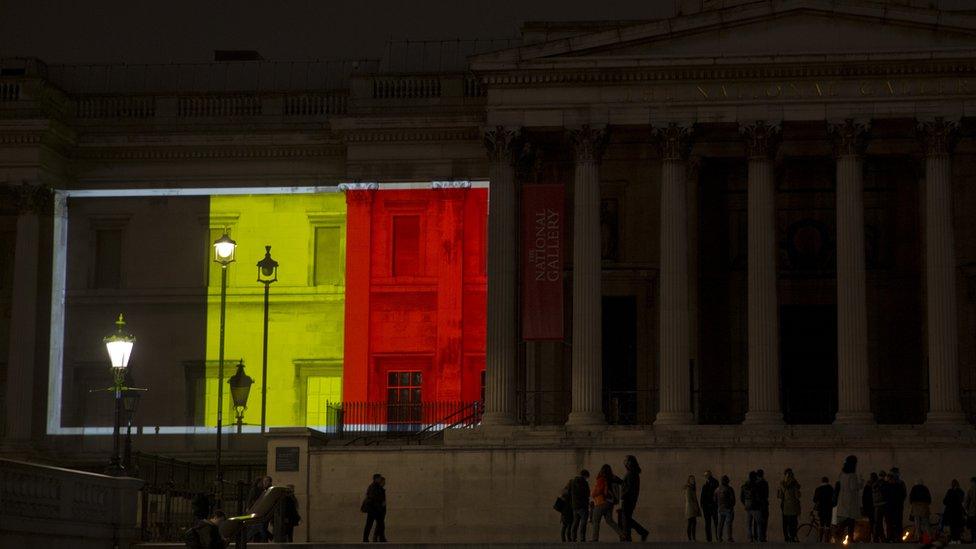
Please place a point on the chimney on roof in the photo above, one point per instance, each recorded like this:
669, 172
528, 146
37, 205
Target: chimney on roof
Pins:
237, 55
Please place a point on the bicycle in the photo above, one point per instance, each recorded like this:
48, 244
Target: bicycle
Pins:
834, 533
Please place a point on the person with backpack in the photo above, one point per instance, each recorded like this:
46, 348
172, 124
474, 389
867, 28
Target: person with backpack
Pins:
789, 503
579, 498
708, 506
724, 497
630, 491
692, 509
603, 501
289, 517
823, 502
564, 506
747, 497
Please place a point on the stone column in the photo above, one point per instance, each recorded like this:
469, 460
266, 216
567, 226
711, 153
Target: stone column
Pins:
31, 200
675, 384
502, 339
940, 275
588, 144
853, 382
764, 403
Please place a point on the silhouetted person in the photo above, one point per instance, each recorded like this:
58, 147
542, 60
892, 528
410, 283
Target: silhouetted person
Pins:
204, 533
867, 503
970, 506
289, 516
603, 501
375, 508
629, 493
823, 503
565, 507
692, 509
848, 490
579, 496
920, 506
954, 514
708, 506
896, 496
880, 490
725, 501
789, 504
762, 491
747, 495
258, 532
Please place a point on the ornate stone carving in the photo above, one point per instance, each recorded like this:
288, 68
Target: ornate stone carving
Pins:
588, 142
674, 141
762, 138
359, 192
502, 144
850, 137
30, 198
938, 135
450, 184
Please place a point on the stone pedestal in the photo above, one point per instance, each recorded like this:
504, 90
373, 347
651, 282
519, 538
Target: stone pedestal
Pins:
675, 382
587, 407
764, 404
853, 382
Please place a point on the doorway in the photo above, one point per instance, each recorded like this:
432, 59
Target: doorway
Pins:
808, 363
621, 398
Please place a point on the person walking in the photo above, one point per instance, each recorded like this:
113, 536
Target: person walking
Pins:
895, 506
579, 497
920, 508
692, 509
761, 497
879, 492
823, 503
564, 506
848, 490
747, 495
789, 503
969, 504
630, 491
708, 506
289, 517
375, 508
725, 503
953, 513
603, 501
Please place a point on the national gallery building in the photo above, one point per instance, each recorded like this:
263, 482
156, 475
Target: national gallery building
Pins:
742, 237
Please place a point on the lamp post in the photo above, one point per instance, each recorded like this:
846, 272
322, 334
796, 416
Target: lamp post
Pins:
130, 401
119, 346
224, 248
240, 387
267, 273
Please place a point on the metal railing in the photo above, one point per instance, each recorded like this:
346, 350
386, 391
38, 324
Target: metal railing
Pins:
547, 407
361, 418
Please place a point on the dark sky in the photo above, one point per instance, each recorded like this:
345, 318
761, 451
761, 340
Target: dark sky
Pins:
138, 31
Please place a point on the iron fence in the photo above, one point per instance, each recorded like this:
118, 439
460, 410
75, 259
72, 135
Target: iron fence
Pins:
344, 418
548, 407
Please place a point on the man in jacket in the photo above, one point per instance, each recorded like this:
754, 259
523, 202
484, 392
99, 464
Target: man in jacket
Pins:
708, 506
375, 508
823, 502
896, 504
747, 495
762, 491
725, 502
579, 497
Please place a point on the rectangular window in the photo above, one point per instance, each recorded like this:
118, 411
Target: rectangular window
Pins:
406, 245
108, 258
328, 256
403, 402
322, 395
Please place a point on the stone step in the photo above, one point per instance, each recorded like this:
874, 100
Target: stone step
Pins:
645, 545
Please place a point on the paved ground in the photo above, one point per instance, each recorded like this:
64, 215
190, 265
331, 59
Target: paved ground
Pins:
648, 545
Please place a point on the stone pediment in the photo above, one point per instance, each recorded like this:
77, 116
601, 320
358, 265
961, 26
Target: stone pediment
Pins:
765, 30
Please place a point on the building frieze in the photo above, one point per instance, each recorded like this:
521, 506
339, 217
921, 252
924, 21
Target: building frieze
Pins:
204, 153
408, 135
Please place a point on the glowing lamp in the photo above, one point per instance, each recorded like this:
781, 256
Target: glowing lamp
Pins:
240, 387
267, 268
224, 248
119, 345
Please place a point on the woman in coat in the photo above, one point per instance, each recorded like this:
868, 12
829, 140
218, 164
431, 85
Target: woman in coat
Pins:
692, 508
848, 489
603, 501
789, 504
954, 514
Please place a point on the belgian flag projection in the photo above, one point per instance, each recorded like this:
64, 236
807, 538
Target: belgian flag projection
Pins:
380, 300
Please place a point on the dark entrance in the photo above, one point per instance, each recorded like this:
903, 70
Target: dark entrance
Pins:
621, 397
808, 362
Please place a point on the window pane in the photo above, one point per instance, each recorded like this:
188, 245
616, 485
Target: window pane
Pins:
108, 258
416, 379
328, 263
391, 379
406, 245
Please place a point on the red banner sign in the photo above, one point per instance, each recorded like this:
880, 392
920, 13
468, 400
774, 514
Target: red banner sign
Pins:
542, 262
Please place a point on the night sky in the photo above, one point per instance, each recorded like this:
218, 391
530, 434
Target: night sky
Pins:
134, 31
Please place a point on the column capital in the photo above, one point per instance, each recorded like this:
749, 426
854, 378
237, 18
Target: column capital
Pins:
850, 136
589, 142
359, 193
938, 135
761, 137
674, 140
502, 143
30, 197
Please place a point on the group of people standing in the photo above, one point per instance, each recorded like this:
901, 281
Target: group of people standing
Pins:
716, 501
578, 504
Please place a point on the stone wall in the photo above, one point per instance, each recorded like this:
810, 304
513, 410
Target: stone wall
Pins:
483, 488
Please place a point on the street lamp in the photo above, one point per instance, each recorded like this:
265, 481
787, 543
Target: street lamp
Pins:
267, 273
224, 249
119, 346
240, 387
